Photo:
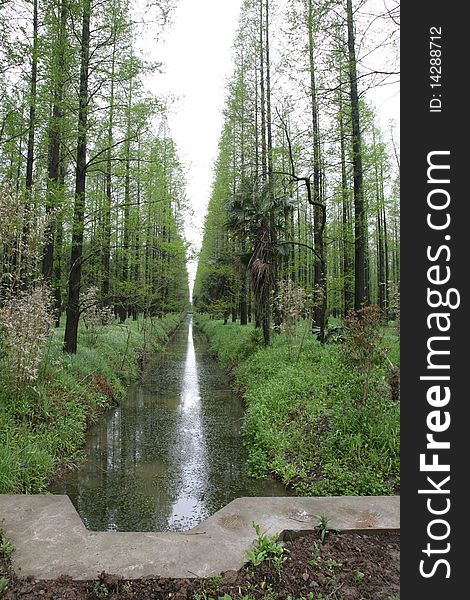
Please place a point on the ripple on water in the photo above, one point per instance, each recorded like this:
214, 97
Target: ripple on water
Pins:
171, 454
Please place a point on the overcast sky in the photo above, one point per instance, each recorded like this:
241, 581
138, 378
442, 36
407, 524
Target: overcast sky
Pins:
197, 57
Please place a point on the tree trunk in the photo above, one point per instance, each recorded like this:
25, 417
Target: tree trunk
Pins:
262, 93
277, 316
123, 305
379, 227
387, 274
262, 311
54, 189
136, 269
30, 146
319, 221
359, 209
75, 276
108, 200
58, 252
32, 102
347, 266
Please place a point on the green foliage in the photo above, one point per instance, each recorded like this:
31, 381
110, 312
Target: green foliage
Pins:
6, 549
44, 426
392, 341
335, 335
322, 527
6, 552
315, 557
332, 564
3, 584
268, 218
267, 548
230, 343
305, 421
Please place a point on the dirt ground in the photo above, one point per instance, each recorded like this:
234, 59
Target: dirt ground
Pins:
348, 566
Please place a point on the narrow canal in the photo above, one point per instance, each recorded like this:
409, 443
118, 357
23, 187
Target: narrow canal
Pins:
171, 454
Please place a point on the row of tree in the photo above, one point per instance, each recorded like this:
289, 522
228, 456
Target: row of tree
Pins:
305, 186
92, 190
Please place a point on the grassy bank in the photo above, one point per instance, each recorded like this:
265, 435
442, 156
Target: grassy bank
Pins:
42, 426
305, 419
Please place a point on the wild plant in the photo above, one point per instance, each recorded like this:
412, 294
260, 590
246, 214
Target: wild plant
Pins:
267, 548
6, 548
363, 347
322, 527
291, 301
394, 303
25, 328
94, 315
22, 235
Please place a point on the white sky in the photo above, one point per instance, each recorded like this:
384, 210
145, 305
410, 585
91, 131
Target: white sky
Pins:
197, 57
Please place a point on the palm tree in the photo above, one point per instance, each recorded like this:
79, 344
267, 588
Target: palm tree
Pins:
254, 216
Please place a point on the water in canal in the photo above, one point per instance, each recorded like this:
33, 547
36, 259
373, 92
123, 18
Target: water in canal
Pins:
171, 454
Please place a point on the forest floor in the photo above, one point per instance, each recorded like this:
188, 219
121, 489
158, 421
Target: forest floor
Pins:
347, 566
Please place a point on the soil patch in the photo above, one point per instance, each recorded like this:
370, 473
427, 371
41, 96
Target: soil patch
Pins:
348, 566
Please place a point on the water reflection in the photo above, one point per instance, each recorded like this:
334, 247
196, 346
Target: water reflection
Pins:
171, 454
190, 446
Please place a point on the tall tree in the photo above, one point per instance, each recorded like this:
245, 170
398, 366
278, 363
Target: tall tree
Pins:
76, 255
358, 177
319, 209
54, 188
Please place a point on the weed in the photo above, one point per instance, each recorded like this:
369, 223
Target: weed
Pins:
267, 547
204, 596
3, 584
358, 576
101, 589
332, 564
322, 527
6, 548
291, 302
315, 558
25, 328
209, 588
363, 346
94, 315
127, 588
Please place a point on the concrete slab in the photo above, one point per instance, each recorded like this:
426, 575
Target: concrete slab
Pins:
51, 540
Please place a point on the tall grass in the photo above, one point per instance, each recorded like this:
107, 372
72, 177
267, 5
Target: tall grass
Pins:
43, 426
305, 421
